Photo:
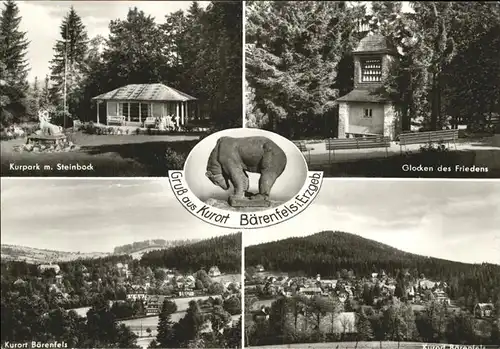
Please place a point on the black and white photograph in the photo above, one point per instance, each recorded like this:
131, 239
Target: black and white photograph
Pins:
125, 268
378, 88
379, 264
115, 88
245, 169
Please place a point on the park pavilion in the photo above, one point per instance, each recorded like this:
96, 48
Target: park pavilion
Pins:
134, 105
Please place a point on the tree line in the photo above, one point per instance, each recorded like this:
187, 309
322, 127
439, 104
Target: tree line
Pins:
190, 332
310, 320
222, 251
198, 52
299, 61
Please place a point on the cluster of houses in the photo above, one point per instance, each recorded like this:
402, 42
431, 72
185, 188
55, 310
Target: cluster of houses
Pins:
418, 291
184, 285
181, 285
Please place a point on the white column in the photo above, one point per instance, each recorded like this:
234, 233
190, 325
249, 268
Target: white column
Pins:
128, 113
187, 113
140, 113
177, 113
98, 104
182, 113
107, 112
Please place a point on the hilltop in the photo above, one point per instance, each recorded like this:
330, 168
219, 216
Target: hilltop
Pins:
137, 249
222, 251
329, 252
38, 255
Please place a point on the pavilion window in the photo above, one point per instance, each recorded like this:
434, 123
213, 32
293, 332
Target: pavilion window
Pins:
121, 109
134, 112
144, 111
157, 110
112, 109
371, 70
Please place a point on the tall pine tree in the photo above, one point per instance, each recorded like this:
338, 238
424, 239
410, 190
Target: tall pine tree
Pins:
68, 62
13, 65
293, 52
165, 335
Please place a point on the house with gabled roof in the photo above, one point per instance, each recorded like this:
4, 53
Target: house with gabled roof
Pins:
484, 310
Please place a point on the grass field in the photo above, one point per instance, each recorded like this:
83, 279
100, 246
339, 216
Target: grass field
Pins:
350, 345
481, 152
109, 155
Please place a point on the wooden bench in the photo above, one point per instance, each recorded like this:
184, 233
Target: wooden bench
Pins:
428, 137
119, 119
304, 149
150, 122
357, 143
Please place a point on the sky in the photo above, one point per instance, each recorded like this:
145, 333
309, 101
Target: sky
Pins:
455, 220
94, 215
41, 21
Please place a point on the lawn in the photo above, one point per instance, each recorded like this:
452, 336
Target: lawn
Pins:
394, 166
109, 155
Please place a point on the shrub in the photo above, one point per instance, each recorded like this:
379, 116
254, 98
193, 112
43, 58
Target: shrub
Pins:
174, 160
138, 131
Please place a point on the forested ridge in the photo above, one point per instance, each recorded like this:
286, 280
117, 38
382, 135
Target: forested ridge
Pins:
160, 243
222, 251
333, 253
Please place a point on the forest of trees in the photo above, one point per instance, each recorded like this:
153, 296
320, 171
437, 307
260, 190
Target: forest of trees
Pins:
140, 245
222, 251
343, 255
198, 52
299, 60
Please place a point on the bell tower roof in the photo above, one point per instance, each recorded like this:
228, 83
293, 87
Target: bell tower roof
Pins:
375, 43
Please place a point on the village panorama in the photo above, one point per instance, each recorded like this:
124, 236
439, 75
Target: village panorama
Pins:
154, 293
337, 289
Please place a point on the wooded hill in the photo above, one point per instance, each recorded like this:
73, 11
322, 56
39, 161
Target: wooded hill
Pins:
338, 254
222, 251
159, 243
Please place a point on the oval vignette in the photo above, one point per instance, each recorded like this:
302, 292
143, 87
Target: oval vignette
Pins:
286, 187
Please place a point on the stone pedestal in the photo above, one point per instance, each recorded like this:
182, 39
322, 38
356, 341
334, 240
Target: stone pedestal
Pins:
246, 202
47, 144
343, 119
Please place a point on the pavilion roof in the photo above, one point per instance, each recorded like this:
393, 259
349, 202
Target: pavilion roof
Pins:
145, 92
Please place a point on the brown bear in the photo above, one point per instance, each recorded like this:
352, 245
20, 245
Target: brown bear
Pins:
232, 158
